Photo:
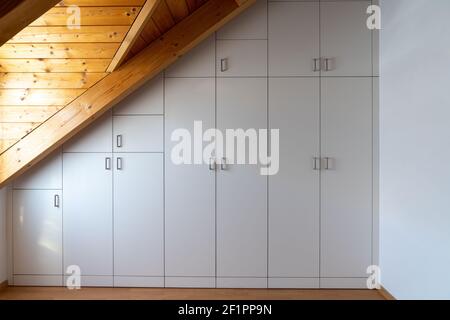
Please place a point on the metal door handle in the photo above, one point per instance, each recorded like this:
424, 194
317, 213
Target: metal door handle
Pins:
224, 65
316, 163
119, 163
317, 66
56, 201
327, 163
107, 163
212, 164
119, 141
224, 165
327, 64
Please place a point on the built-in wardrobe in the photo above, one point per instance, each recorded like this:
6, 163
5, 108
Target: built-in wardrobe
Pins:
113, 202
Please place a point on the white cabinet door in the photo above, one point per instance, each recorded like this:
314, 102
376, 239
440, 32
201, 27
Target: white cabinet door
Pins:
190, 189
88, 218
138, 134
345, 39
138, 215
346, 218
146, 100
251, 24
294, 191
37, 232
241, 189
94, 138
242, 58
294, 39
45, 175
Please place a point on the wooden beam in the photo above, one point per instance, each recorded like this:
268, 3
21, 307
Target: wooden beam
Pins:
133, 34
116, 86
21, 15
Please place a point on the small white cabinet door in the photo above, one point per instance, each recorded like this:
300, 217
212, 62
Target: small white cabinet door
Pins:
294, 39
345, 39
346, 217
242, 58
95, 138
88, 216
37, 232
138, 215
138, 134
241, 189
294, 191
190, 189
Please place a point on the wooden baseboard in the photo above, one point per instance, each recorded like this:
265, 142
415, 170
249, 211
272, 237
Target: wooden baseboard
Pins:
386, 294
3, 285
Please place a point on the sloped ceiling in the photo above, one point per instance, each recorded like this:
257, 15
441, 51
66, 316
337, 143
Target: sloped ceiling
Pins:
48, 65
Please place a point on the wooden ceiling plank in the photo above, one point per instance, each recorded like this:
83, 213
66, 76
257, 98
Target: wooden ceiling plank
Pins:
13, 131
54, 65
178, 8
116, 86
21, 114
5, 144
194, 4
58, 50
21, 15
38, 97
90, 16
49, 80
163, 18
101, 3
62, 34
133, 34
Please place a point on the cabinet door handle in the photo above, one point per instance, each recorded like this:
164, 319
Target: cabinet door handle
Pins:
316, 64
119, 141
224, 65
212, 164
316, 163
119, 163
327, 64
223, 164
107, 163
327, 163
56, 202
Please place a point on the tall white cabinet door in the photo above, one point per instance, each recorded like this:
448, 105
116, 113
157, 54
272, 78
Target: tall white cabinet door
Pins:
241, 189
294, 39
346, 217
37, 232
294, 191
190, 189
88, 218
138, 215
345, 39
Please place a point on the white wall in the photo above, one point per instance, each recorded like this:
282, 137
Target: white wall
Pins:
3, 255
415, 140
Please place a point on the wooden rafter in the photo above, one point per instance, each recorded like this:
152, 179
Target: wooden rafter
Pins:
16, 15
144, 15
117, 85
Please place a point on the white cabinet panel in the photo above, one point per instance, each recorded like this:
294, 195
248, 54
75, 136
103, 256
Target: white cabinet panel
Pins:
146, 100
95, 138
241, 189
251, 24
190, 189
37, 232
138, 215
242, 58
345, 38
88, 218
293, 39
138, 134
294, 191
200, 62
45, 175
346, 218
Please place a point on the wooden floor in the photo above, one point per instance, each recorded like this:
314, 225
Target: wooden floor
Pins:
44, 293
